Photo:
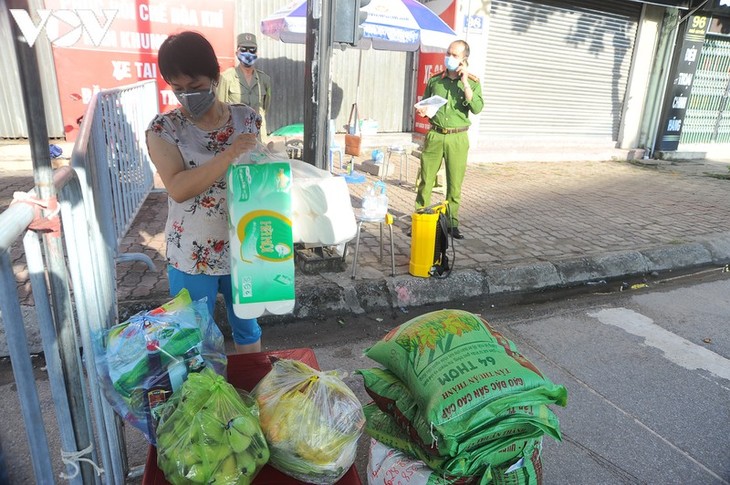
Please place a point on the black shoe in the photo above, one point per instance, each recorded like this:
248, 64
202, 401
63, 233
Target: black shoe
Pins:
455, 233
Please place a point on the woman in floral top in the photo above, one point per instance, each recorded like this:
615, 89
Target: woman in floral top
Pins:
192, 147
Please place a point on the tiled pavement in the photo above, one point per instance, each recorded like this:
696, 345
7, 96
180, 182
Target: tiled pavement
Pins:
512, 213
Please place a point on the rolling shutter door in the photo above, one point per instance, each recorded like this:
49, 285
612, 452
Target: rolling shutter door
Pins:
557, 70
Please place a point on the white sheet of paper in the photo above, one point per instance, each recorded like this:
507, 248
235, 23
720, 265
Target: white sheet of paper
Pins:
431, 104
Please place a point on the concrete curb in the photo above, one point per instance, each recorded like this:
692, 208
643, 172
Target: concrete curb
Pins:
609, 266
340, 294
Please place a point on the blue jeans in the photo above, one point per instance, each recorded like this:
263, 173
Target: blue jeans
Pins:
245, 330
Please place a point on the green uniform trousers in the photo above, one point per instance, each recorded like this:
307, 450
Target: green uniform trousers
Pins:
453, 149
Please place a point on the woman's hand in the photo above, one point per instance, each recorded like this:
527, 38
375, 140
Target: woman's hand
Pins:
243, 143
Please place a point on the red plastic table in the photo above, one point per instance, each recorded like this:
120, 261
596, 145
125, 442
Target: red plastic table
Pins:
244, 372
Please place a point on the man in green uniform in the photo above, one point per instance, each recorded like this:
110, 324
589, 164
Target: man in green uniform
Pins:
244, 83
448, 138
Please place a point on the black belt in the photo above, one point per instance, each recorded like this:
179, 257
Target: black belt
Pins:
448, 131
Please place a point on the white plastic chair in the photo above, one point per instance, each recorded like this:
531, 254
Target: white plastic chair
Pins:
386, 219
400, 151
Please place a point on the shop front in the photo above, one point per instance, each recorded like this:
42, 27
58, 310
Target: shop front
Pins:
707, 121
563, 75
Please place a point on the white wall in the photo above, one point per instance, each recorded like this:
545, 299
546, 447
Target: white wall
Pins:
638, 85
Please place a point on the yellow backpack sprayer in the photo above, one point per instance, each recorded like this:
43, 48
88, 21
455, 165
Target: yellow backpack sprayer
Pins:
429, 242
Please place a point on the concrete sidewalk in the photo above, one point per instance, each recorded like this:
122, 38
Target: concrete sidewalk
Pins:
528, 226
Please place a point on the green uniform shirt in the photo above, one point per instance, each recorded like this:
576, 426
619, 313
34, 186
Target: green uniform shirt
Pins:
455, 113
234, 89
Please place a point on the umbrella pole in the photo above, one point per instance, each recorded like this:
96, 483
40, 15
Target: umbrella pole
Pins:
316, 84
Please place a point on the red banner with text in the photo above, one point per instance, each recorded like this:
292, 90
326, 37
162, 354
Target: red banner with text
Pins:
117, 43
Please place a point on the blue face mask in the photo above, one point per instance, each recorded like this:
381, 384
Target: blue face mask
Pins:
246, 58
451, 63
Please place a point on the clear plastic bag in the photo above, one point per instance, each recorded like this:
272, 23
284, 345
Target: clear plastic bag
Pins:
311, 420
375, 202
143, 361
263, 154
210, 433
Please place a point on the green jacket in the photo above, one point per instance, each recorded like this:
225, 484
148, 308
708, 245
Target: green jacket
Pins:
455, 113
234, 89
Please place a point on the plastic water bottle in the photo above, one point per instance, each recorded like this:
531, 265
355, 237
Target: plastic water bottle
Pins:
370, 204
377, 156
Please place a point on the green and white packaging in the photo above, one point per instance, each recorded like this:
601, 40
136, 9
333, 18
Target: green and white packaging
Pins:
262, 252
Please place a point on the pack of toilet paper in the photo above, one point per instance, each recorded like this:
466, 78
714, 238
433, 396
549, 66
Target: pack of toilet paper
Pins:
261, 245
321, 207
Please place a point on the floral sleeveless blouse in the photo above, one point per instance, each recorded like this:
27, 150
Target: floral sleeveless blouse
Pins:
196, 231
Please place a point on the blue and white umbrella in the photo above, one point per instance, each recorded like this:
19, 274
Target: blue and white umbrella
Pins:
392, 25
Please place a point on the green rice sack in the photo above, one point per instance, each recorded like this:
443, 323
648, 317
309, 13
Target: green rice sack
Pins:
467, 467
525, 471
461, 372
519, 421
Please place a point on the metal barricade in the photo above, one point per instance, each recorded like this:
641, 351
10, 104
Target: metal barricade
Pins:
88, 448
15, 221
111, 158
98, 201
91, 269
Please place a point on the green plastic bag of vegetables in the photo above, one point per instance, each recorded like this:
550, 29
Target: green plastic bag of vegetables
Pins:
209, 433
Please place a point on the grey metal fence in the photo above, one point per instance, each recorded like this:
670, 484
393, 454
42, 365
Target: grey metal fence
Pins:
98, 200
112, 161
92, 450
15, 221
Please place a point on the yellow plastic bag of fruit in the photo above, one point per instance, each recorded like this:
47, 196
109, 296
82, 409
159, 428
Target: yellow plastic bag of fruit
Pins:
311, 421
208, 433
